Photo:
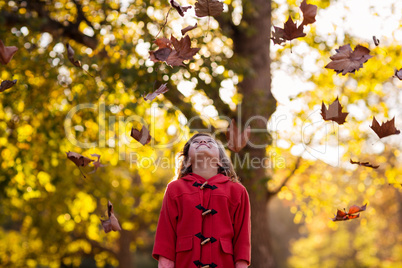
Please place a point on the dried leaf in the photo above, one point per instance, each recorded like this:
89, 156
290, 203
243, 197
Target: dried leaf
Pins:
141, 136
97, 163
309, 12
6, 84
354, 209
334, 112
348, 61
161, 54
188, 28
6, 53
376, 41
179, 8
237, 140
173, 51
208, 8
351, 214
161, 90
79, 160
111, 224
385, 129
398, 73
289, 32
364, 164
70, 56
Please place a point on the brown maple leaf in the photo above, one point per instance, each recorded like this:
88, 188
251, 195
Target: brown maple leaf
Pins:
385, 129
348, 61
237, 140
183, 47
334, 112
111, 224
290, 30
179, 8
173, 51
364, 164
6, 53
6, 84
79, 160
142, 136
161, 90
208, 8
398, 74
309, 12
188, 28
161, 54
344, 216
97, 163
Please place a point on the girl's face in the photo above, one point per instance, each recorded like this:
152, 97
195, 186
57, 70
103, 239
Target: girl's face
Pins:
202, 148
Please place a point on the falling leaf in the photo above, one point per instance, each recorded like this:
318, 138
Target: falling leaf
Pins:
141, 136
364, 164
334, 112
179, 8
70, 56
162, 89
111, 224
385, 129
173, 51
6, 84
348, 61
398, 73
237, 140
161, 54
183, 47
344, 216
290, 30
208, 8
376, 41
79, 160
309, 12
6, 53
188, 28
97, 163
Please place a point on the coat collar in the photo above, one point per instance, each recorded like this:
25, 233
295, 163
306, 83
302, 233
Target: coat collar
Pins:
218, 178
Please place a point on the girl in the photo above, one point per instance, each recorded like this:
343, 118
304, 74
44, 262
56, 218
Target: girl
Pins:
205, 216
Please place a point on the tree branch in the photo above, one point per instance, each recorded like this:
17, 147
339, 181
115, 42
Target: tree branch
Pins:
291, 174
53, 27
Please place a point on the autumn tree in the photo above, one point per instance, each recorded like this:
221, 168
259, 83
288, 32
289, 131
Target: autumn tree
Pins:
57, 106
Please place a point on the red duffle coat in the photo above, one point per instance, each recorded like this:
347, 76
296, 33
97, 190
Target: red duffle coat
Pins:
201, 226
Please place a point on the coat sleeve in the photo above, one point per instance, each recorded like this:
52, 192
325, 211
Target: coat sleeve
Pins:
165, 237
242, 230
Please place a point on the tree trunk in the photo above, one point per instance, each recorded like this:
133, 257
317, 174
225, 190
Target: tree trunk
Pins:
252, 44
124, 255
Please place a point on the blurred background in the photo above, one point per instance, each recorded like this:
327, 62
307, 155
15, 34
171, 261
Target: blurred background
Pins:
50, 213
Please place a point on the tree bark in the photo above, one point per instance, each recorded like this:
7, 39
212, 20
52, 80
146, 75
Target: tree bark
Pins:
124, 255
252, 43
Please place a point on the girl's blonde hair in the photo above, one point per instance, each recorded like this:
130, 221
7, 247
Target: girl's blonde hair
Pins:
226, 167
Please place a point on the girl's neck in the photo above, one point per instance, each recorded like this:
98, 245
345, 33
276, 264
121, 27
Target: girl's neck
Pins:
206, 173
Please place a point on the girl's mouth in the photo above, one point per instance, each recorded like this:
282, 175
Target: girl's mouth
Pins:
202, 144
